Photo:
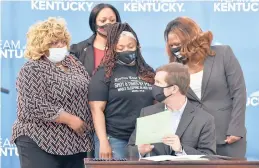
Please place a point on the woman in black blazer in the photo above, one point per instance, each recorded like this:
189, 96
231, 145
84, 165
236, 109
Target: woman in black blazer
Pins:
91, 51
217, 82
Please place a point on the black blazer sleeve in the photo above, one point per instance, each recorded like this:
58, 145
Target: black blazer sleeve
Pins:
74, 50
85, 53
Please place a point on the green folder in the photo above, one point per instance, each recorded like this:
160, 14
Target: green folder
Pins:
152, 128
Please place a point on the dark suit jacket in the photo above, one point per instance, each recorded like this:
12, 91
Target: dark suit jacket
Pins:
196, 131
224, 97
84, 51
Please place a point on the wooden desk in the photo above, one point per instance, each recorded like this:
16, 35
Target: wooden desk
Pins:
175, 164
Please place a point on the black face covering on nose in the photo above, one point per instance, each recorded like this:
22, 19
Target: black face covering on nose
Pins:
104, 27
127, 57
158, 93
177, 54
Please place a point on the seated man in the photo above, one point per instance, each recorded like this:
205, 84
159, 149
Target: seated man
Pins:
193, 130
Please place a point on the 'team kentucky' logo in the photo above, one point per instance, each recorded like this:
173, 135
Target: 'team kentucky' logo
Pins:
253, 99
7, 149
62, 5
153, 6
236, 6
11, 49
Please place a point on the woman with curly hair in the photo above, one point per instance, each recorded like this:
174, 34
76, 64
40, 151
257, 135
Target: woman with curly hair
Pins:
217, 82
54, 127
118, 91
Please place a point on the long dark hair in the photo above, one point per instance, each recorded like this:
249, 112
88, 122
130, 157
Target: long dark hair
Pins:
144, 71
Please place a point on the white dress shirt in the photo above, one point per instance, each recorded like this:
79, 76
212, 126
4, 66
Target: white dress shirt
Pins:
176, 117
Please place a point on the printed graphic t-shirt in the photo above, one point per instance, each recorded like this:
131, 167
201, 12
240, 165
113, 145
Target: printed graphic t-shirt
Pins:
126, 94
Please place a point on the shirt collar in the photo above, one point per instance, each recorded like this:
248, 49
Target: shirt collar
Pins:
182, 108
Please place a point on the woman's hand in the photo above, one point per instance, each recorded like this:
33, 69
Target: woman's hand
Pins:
105, 150
74, 122
77, 124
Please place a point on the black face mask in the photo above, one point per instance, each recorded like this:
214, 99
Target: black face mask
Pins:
179, 57
158, 93
127, 57
102, 32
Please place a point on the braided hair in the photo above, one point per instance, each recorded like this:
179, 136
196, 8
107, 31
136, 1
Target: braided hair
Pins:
144, 71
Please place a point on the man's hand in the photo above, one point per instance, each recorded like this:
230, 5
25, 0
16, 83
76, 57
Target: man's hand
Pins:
232, 139
144, 149
174, 142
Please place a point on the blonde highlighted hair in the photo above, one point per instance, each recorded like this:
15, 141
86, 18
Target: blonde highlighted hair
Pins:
198, 48
196, 44
42, 34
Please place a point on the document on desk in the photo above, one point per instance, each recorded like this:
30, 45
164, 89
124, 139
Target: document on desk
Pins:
152, 129
174, 158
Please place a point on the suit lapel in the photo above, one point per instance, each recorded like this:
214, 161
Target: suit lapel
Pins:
89, 59
186, 119
208, 65
88, 55
192, 96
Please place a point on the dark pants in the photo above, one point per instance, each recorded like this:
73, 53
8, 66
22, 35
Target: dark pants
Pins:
32, 156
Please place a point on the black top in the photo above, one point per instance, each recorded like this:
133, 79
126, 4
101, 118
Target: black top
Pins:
84, 51
126, 94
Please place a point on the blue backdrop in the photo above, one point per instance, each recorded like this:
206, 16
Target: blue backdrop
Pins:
232, 22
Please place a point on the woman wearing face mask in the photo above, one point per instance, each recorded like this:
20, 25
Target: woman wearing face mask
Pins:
54, 128
217, 81
118, 91
91, 51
